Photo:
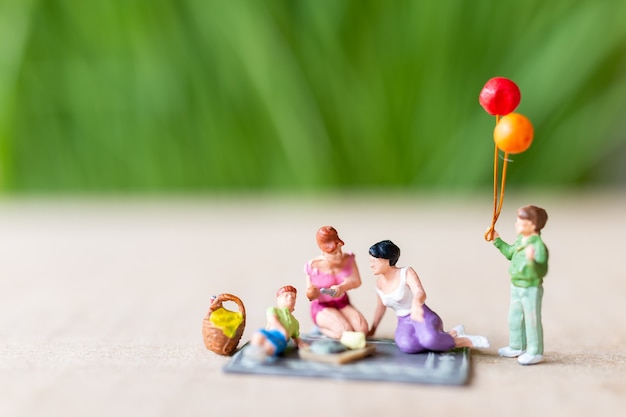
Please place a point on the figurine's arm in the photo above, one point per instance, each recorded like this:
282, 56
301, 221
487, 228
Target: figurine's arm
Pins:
536, 258
419, 295
295, 333
350, 282
536, 253
504, 248
379, 312
299, 342
312, 292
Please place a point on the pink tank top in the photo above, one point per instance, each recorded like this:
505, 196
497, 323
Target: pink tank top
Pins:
325, 280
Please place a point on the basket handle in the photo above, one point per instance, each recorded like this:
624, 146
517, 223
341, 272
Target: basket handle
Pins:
217, 303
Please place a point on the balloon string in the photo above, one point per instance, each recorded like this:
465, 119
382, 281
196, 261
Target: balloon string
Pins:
504, 165
489, 233
497, 204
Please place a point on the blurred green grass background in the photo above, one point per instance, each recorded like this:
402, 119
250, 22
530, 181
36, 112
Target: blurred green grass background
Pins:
287, 95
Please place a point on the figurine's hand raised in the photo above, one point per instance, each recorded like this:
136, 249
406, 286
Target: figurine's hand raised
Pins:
530, 252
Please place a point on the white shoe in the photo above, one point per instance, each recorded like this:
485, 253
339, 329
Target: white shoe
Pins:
477, 341
460, 330
509, 352
528, 359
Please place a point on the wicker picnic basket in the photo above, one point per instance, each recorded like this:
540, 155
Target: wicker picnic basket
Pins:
214, 338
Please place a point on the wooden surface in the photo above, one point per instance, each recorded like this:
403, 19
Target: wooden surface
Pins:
101, 302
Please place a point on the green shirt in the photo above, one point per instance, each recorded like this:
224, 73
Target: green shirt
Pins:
289, 322
525, 272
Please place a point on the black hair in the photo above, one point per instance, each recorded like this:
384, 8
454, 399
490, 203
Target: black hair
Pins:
386, 249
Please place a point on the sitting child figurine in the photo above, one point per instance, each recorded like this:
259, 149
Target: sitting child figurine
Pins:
281, 327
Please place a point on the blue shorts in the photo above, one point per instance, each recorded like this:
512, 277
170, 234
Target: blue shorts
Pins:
277, 339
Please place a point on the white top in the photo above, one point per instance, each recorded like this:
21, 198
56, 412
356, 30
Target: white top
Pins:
401, 298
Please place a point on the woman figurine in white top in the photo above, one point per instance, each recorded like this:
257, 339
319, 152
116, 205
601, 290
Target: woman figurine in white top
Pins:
419, 328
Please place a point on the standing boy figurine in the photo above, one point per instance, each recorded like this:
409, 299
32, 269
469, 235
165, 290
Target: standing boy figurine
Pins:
281, 327
529, 264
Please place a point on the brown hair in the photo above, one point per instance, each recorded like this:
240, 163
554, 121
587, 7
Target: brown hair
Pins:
536, 215
286, 288
328, 239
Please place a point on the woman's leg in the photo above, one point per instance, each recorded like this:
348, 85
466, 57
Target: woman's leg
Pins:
332, 323
406, 336
430, 333
355, 319
260, 347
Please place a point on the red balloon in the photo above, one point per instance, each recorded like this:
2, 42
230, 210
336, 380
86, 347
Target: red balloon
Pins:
500, 96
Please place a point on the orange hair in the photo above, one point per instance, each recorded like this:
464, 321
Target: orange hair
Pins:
286, 288
328, 239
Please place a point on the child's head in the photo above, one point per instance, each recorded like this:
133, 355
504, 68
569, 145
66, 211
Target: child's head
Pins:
536, 215
286, 288
286, 297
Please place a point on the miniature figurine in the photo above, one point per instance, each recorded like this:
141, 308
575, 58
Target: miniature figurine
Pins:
529, 265
281, 327
419, 328
329, 277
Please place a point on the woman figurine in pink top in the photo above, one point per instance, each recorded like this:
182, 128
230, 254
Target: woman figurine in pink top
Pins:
329, 277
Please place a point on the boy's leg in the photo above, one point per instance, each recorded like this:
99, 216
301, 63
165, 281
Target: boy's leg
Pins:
517, 336
531, 302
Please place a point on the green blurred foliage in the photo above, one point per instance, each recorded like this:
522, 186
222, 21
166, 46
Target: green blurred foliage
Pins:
206, 95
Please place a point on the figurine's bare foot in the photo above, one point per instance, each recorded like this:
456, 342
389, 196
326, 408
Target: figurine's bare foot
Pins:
471, 341
478, 341
457, 331
465, 340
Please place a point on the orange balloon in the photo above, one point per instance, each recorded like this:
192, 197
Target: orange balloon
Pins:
513, 133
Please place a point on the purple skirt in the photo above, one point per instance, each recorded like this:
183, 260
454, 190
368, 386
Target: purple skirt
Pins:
426, 336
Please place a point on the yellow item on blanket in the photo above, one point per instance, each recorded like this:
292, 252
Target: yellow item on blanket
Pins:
353, 340
228, 321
